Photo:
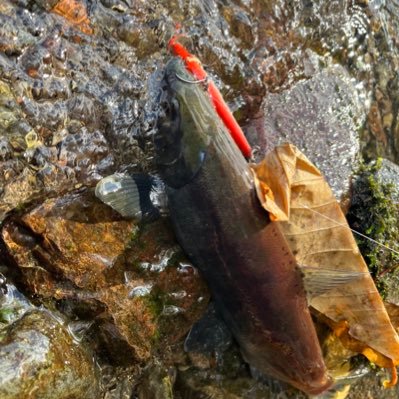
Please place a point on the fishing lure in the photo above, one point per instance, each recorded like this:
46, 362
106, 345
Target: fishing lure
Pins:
194, 66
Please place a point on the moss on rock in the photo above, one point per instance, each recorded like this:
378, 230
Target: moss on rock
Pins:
374, 213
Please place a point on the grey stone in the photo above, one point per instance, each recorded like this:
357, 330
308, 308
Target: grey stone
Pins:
321, 117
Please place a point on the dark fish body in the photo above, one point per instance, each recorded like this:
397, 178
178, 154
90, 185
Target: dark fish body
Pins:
244, 258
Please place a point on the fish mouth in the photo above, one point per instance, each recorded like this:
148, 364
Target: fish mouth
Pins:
312, 379
318, 381
312, 386
316, 388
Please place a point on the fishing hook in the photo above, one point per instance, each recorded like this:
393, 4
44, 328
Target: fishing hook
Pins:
190, 81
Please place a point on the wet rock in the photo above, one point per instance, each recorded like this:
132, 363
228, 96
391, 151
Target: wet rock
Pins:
200, 384
381, 133
50, 92
208, 335
370, 387
39, 356
119, 382
321, 117
209, 364
134, 283
12, 303
75, 12
388, 174
3, 285
61, 237
157, 382
374, 212
41, 360
360, 36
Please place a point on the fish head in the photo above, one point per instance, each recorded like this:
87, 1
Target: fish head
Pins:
185, 126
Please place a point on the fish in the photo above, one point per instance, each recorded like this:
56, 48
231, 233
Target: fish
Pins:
256, 284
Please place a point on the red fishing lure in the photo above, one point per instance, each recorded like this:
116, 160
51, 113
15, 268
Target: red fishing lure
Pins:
193, 65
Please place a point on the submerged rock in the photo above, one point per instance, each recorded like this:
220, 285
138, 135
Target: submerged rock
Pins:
209, 334
370, 386
157, 382
39, 359
226, 376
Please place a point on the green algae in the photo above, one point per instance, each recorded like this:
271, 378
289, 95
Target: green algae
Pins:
154, 303
6, 315
168, 387
374, 214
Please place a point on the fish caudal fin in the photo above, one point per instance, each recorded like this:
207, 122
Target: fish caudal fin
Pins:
136, 196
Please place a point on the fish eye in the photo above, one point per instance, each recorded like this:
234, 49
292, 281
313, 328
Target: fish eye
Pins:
165, 107
170, 108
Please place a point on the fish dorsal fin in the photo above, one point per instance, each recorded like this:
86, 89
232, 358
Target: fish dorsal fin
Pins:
133, 196
317, 280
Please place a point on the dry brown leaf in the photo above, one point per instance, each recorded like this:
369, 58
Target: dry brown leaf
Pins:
319, 236
75, 12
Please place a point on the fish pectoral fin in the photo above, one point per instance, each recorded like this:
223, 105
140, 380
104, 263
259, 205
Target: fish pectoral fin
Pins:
137, 196
317, 280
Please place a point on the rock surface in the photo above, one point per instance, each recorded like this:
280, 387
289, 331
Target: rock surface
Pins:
321, 116
39, 357
134, 283
79, 83
388, 174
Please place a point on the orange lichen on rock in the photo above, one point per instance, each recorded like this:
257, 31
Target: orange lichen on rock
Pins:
78, 250
132, 319
319, 236
75, 12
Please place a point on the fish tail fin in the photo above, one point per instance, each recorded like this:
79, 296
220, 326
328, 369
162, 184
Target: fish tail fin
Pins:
137, 196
